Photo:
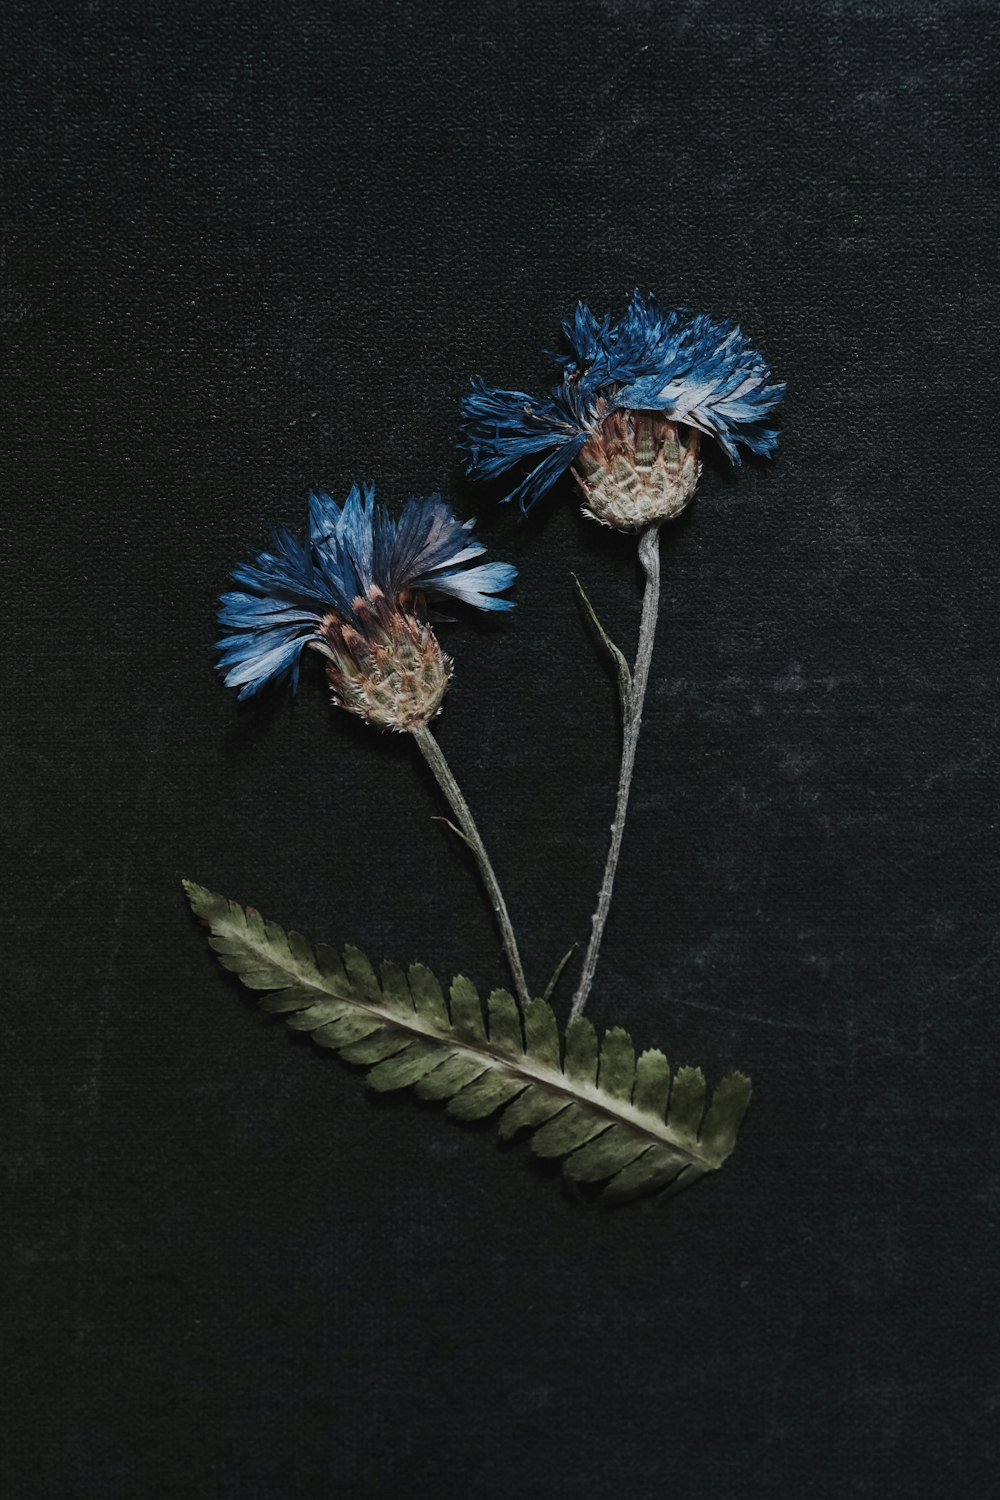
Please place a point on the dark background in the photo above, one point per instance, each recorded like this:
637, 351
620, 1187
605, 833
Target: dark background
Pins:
250, 248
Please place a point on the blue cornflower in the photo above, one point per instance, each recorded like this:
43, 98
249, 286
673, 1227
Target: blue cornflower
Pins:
627, 416
355, 591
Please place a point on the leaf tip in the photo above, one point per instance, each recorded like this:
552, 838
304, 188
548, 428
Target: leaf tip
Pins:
199, 896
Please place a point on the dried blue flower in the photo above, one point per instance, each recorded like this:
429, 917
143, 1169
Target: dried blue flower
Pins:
355, 591
627, 417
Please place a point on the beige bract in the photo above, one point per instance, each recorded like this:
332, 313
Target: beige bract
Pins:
389, 669
638, 470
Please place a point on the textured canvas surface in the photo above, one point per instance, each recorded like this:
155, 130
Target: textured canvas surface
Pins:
250, 248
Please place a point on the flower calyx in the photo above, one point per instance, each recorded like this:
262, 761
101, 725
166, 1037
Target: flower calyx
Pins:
638, 469
386, 665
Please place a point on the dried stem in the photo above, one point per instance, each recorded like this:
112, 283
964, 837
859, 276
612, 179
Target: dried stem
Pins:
434, 756
649, 556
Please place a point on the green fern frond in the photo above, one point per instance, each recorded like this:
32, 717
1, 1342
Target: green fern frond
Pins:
611, 1117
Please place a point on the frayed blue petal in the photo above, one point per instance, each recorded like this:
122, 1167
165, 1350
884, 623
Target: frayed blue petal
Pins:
646, 340
246, 611
502, 428
250, 661
369, 550
426, 537
487, 603
324, 517
584, 337
474, 585
760, 440
353, 551
353, 541
541, 478
695, 368
285, 600
244, 645
287, 573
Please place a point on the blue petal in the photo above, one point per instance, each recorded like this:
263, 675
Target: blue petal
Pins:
249, 612
352, 551
281, 608
250, 661
544, 475
324, 517
501, 428
698, 369
476, 585
584, 337
356, 534
286, 573
429, 537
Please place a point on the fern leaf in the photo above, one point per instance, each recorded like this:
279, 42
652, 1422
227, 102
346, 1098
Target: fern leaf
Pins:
608, 1116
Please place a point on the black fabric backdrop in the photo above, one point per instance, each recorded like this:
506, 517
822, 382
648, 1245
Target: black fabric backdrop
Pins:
250, 248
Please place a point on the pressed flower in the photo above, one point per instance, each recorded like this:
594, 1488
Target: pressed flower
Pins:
356, 591
627, 417
635, 399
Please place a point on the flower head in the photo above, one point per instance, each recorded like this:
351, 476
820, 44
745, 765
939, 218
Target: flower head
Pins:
356, 591
627, 417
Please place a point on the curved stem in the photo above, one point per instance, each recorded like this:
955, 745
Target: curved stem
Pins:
649, 556
434, 756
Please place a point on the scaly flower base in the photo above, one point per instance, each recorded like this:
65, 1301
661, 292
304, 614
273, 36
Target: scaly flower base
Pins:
639, 470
